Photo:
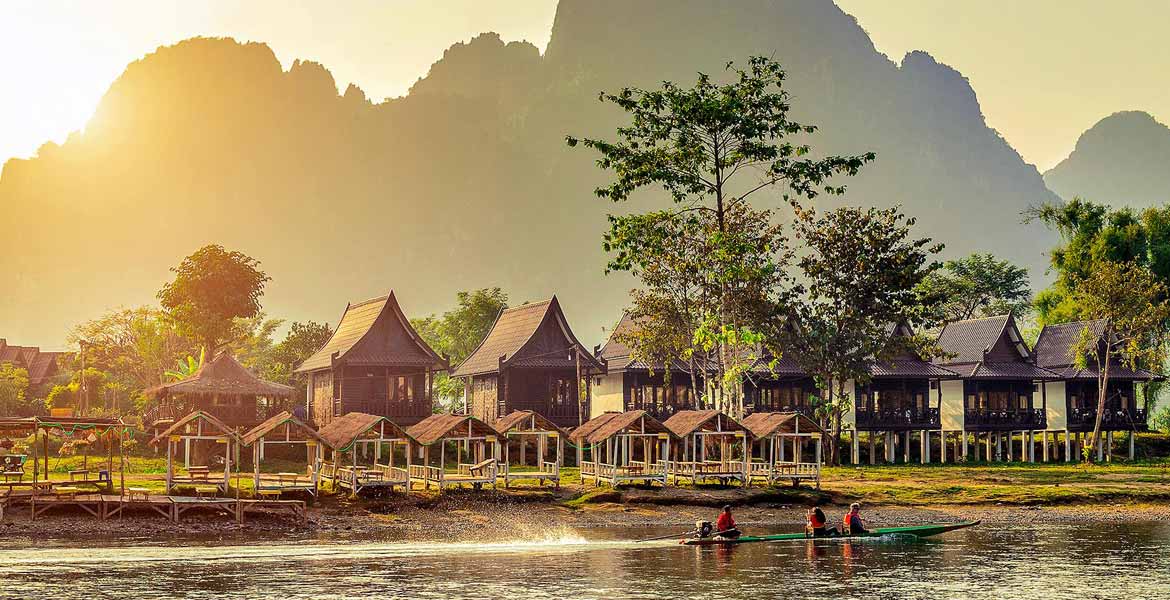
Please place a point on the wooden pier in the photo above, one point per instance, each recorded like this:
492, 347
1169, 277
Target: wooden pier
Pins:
105, 506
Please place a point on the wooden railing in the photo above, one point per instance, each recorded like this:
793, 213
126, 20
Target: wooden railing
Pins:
391, 473
1113, 419
892, 419
426, 473
1005, 420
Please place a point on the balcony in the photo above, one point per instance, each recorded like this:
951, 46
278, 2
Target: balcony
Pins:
1114, 419
897, 419
1004, 420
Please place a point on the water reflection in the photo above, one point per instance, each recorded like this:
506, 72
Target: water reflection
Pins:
1065, 561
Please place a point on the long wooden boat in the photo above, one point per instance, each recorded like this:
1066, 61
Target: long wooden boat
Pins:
920, 531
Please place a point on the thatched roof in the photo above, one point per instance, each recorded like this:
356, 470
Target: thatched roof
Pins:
203, 420
293, 430
526, 420
532, 335
767, 424
438, 427
375, 333
608, 424
224, 375
341, 433
686, 422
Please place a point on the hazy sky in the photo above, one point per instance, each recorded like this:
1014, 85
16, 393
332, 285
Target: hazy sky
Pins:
1045, 70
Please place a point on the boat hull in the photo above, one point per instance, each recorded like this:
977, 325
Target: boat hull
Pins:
919, 531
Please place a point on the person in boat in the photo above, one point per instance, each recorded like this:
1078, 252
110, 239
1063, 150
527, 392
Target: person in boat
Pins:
818, 523
853, 524
725, 524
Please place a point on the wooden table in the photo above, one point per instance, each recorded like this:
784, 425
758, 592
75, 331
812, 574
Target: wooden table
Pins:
137, 491
201, 473
206, 489
9, 475
62, 491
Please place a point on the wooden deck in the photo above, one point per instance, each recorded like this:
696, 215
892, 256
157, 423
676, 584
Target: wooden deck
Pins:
105, 506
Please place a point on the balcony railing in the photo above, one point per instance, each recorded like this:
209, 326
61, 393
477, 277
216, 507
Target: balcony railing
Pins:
1005, 420
893, 419
1113, 419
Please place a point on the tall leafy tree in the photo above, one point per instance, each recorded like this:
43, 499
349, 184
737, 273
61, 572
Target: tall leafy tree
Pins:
136, 346
212, 288
712, 148
457, 332
13, 390
978, 285
860, 270
1134, 303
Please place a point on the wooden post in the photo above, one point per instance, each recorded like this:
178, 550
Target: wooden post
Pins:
906, 447
1109, 446
856, 444
872, 450
1067, 447
1132, 435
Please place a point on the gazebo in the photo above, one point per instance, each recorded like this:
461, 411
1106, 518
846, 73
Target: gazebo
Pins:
714, 446
622, 447
364, 436
774, 433
198, 427
473, 441
523, 427
222, 388
283, 429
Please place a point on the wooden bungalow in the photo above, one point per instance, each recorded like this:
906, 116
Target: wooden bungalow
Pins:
374, 363
630, 384
522, 429
199, 428
778, 447
712, 446
283, 430
222, 388
902, 397
473, 444
619, 448
996, 396
780, 387
1072, 404
372, 442
530, 360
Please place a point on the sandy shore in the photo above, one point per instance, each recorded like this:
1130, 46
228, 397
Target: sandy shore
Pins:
488, 516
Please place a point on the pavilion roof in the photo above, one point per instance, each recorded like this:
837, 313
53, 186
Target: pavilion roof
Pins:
609, 424
283, 418
202, 417
767, 424
526, 420
342, 432
441, 426
224, 375
686, 422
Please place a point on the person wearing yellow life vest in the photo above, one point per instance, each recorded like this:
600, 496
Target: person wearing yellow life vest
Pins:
852, 521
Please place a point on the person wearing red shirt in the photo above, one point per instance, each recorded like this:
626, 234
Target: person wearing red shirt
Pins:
725, 524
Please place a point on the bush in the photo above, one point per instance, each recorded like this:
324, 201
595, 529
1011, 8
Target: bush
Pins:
1160, 420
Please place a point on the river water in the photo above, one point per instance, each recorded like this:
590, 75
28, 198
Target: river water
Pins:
1050, 561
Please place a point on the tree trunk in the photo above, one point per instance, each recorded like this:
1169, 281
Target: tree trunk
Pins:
1102, 386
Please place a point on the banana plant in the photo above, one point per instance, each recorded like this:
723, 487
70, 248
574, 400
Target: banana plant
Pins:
187, 367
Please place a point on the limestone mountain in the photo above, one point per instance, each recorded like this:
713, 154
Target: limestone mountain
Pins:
466, 181
1122, 160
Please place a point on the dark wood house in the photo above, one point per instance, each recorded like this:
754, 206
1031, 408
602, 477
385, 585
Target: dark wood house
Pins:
41, 366
530, 360
630, 384
1072, 401
903, 396
374, 363
781, 387
999, 392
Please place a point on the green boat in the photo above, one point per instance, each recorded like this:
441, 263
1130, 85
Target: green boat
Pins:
918, 531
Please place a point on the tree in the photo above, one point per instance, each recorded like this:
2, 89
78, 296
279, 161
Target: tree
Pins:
1093, 233
978, 285
13, 390
186, 368
301, 341
1133, 302
458, 332
698, 145
135, 346
212, 288
860, 272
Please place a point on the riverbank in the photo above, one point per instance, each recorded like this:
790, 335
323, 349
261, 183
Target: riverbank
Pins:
892, 495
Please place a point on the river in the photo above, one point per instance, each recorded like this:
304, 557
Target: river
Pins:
1049, 561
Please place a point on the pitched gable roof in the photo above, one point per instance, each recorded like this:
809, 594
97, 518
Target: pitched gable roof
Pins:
1055, 350
766, 424
618, 355
295, 430
905, 363
223, 375
526, 420
374, 332
608, 424
198, 418
531, 335
989, 348
342, 432
686, 422
40, 365
441, 426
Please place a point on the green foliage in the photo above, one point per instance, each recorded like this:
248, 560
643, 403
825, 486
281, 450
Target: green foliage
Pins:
1093, 233
302, 340
702, 259
1134, 302
978, 285
135, 345
187, 367
13, 390
859, 271
1160, 420
458, 332
211, 289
